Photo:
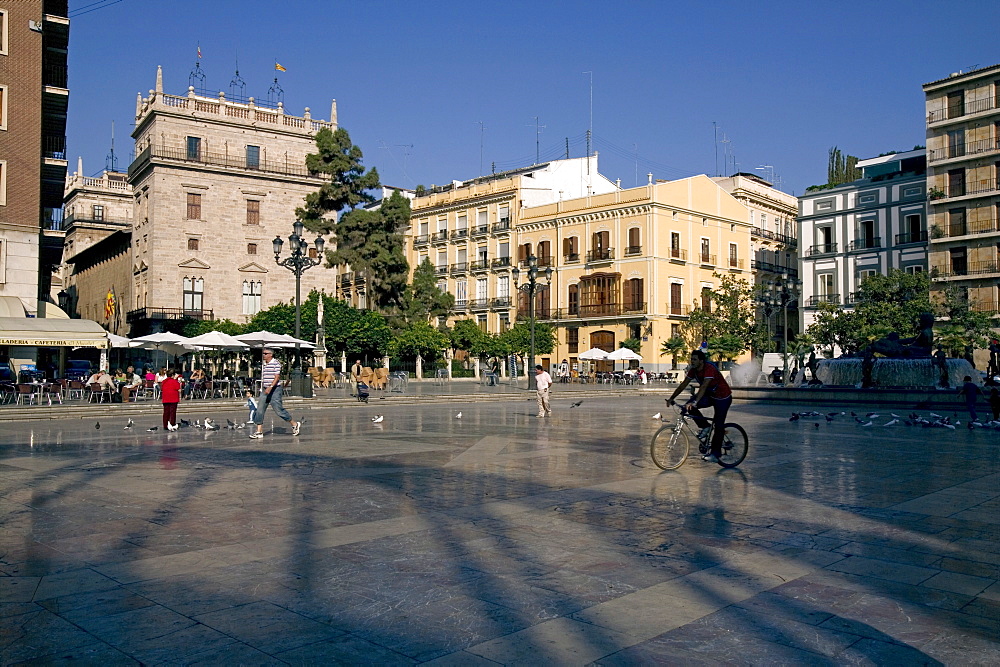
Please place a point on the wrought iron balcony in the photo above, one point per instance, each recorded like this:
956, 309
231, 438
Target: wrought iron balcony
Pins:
963, 269
602, 255
571, 258
959, 110
633, 250
822, 249
480, 264
459, 234
865, 243
479, 304
678, 255
774, 236
440, 236
441, 270
707, 259
500, 262
421, 239
735, 263
502, 226
973, 188
501, 302
817, 299
459, 267
979, 147
973, 227
480, 230
911, 237
678, 310
153, 313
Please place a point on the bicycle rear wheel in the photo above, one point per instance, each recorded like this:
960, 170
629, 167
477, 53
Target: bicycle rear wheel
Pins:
735, 445
669, 448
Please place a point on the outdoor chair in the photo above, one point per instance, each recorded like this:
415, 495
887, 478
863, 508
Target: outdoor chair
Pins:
53, 390
8, 392
25, 392
366, 375
329, 377
75, 389
381, 378
99, 391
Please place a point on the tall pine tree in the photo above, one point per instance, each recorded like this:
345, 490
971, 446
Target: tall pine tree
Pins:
348, 186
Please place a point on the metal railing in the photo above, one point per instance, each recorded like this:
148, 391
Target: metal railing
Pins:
961, 269
55, 76
774, 236
439, 236
459, 233
633, 250
817, 299
153, 313
977, 147
964, 109
973, 188
822, 249
501, 302
735, 263
603, 255
707, 259
480, 230
480, 265
502, 226
478, 304
911, 237
983, 306
972, 227
421, 239
571, 258
865, 243
346, 278
678, 254
633, 307
460, 267
678, 309
234, 161
441, 270
54, 147
500, 262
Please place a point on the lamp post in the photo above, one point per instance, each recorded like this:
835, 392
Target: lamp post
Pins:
531, 288
785, 291
768, 303
298, 262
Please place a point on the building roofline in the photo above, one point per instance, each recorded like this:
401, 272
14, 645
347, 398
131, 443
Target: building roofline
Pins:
960, 75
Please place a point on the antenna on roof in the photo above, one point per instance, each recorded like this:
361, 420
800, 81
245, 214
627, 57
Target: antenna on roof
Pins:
111, 162
482, 132
196, 78
538, 131
237, 86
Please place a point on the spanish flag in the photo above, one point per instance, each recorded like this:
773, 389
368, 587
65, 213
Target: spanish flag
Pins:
278, 67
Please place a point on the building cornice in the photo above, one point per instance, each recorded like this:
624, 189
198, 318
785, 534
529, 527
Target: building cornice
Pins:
458, 205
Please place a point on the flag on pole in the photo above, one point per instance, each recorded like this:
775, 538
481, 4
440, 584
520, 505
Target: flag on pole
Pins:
109, 304
278, 66
199, 50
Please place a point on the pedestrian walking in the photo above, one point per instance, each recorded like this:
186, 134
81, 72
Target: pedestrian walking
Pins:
971, 393
270, 395
995, 403
542, 383
170, 395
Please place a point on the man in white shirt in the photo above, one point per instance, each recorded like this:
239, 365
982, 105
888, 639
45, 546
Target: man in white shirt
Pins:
542, 383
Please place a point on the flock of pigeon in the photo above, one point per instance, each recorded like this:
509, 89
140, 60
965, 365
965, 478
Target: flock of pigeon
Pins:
208, 425
933, 420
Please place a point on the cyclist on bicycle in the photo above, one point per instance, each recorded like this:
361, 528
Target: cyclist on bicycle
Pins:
713, 391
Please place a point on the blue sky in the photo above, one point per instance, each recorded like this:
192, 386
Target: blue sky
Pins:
783, 81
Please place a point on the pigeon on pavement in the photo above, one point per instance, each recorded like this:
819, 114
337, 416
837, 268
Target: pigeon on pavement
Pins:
98, 426
868, 423
576, 405
377, 419
794, 417
891, 423
155, 428
458, 416
656, 416
128, 424
172, 427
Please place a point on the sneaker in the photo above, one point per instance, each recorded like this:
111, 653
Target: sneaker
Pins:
255, 435
540, 416
296, 428
703, 433
711, 458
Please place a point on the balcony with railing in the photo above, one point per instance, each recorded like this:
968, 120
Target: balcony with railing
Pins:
346, 279
774, 236
421, 239
54, 147
441, 270
501, 302
632, 250
602, 255
865, 243
480, 230
91, 219
55, 75
966, 189
503, 225
480, 265
965, 269
735, 263
439, 236
821, 249
816, 299
960, 110
970, 227
911, 237
460, 267
571, 258
461, 305
479, 304
984, 306
236, 161
458, 234
677, 255
633, 307
965, 149
678, 310
249, 111
707, 259
153, 313
500, 262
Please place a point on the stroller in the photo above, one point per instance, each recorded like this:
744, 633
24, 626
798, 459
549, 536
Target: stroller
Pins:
362, 392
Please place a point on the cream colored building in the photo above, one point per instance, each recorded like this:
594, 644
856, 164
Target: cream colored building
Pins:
467, 230
214, 182
963, 181
633, 263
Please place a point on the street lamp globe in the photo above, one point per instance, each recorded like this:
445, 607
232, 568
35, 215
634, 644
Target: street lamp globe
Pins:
277, 243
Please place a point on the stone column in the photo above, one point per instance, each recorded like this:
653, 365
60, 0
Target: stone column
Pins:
420, 367
343, 362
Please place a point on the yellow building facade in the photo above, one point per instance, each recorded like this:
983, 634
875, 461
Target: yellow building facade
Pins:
633, 263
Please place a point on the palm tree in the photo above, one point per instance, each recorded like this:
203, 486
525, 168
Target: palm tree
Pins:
672, 347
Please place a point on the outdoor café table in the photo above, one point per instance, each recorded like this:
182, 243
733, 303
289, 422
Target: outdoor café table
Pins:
222, 386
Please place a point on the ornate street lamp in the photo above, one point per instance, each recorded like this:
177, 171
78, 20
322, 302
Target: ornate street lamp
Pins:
298, 262
768, 303
531, 288
786, 291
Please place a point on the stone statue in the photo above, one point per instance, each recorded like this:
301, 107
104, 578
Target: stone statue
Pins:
940, 361
917, 347
994, 368
867, 366
811, 364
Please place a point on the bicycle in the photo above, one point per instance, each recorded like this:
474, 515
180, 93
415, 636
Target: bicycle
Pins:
670, 445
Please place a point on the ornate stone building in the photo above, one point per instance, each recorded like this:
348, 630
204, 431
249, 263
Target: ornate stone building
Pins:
213, 182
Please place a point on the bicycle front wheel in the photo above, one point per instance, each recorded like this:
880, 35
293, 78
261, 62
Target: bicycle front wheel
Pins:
735, 445
669, 448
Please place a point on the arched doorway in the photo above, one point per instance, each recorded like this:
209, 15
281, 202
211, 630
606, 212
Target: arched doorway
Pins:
603, 340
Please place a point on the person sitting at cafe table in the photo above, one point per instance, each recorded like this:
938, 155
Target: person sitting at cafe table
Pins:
120, 377
102, 378
195, 382
132, 383
161, 376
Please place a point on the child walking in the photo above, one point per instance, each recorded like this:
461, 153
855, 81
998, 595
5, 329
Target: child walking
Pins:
251, 405
170, 394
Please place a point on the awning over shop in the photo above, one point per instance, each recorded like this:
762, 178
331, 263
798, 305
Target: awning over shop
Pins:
51, 332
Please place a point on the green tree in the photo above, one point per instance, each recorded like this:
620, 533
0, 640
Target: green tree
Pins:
371, 242
517, 339
419, 338
841, 168
466, 335
673, 347
423, 299
633, 344
969, 327
732, 313
198, 327
347, 186
726, 347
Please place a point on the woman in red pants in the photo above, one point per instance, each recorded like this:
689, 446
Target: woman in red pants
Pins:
170, 393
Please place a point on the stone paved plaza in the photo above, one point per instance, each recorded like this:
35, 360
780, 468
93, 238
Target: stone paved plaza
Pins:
497, 538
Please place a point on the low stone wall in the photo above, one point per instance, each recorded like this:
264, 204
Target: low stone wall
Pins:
904, 398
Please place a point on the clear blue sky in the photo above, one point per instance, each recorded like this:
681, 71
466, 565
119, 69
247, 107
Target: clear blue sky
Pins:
784, 81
